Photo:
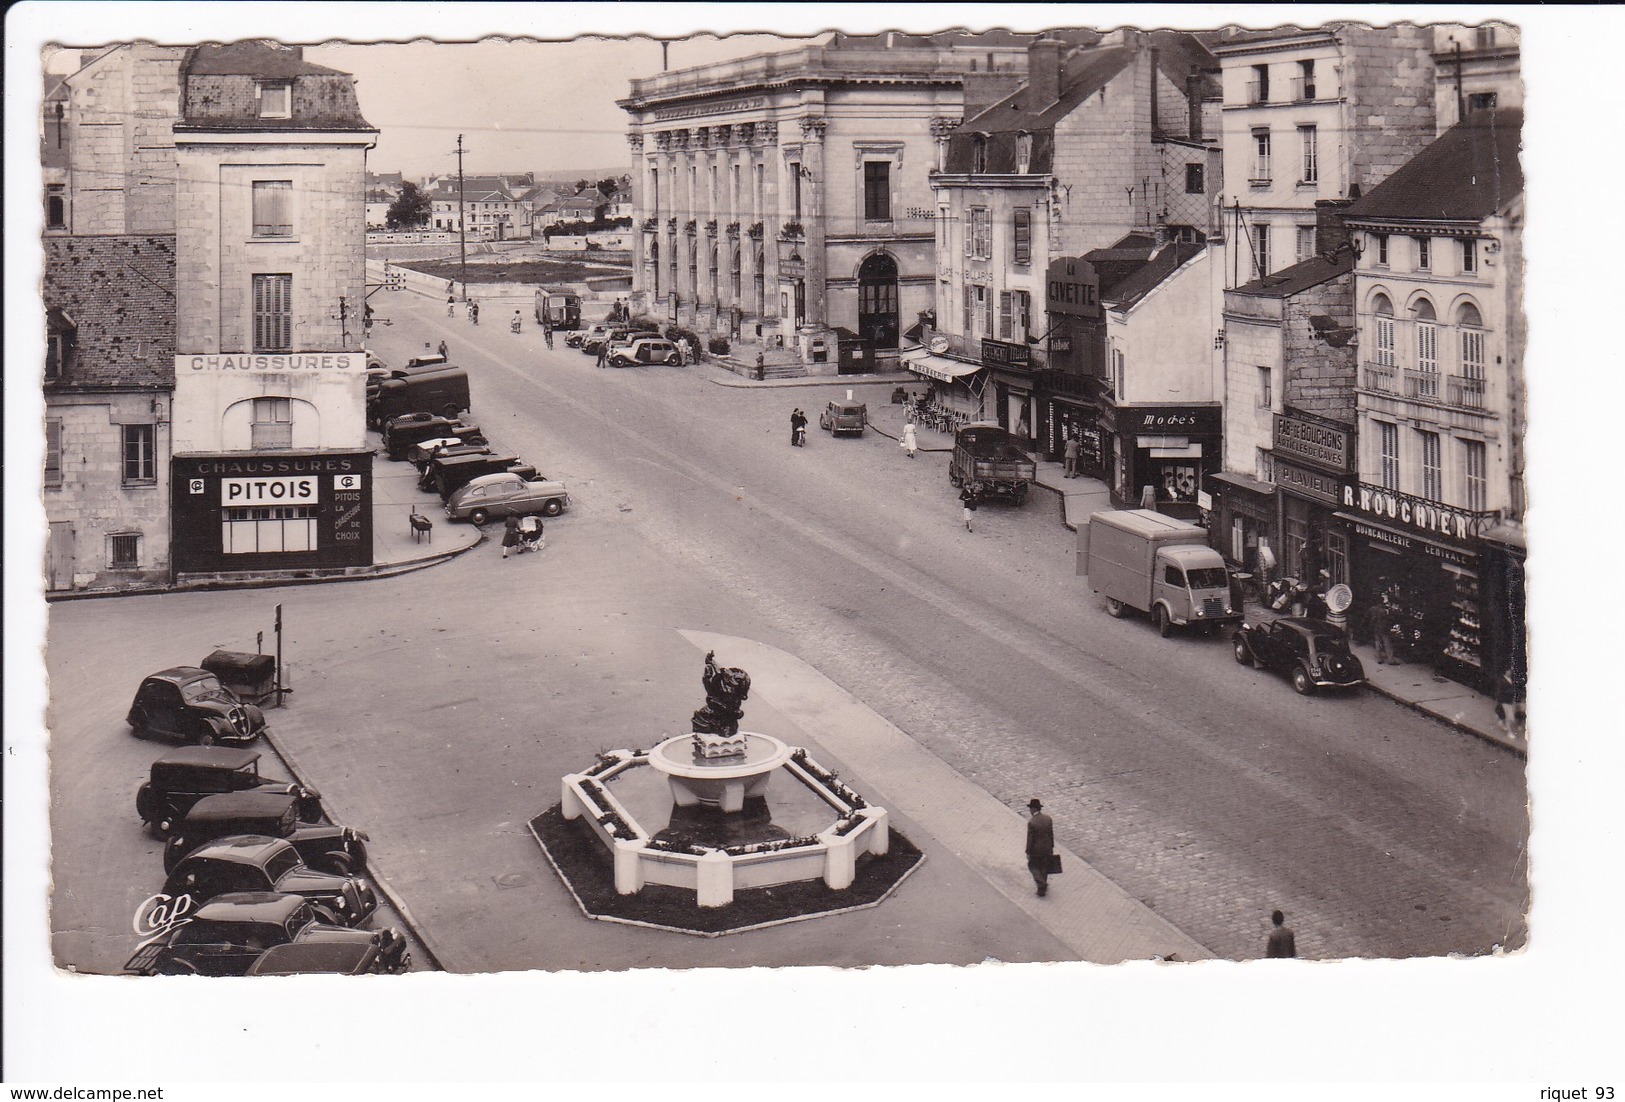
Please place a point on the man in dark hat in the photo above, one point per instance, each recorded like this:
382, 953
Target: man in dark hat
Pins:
1040, 845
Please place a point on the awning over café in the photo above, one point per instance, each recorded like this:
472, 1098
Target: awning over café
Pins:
941, 368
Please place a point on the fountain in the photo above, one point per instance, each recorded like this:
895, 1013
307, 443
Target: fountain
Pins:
720, 835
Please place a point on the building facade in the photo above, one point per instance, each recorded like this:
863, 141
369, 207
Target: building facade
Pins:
109, 294
204, 294
1478, 70
1312, 114
1435, 517
786, 196
1104, 138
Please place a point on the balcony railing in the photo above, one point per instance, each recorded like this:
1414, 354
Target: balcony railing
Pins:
1379, 377
1422, 384
1465, 392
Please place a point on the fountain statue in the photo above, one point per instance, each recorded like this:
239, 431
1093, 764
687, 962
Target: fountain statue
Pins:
716, 726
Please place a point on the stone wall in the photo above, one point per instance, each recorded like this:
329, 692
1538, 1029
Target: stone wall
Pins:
121, 110
1102, 150
1389, 81
1320, 376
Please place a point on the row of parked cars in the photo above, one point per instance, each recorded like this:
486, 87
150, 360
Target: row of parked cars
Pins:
453, 457
626, 346
257, 880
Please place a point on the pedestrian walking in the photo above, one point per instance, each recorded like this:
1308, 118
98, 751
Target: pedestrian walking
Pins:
444, 354
967, 498
451, 305
1071, 454
1382, 631
1040, 845
1510, 694
547, 335
510, 535
603, 352
1281, 942
909, 444
474, 312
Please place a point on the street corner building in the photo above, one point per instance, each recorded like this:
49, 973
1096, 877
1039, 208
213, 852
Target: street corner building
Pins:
205, 377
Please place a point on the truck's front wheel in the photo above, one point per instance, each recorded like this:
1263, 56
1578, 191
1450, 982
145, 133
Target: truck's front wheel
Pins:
1165, 626
1115, 608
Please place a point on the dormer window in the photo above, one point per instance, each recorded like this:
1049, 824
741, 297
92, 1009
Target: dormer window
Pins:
1024, 152
276, 99
978, 153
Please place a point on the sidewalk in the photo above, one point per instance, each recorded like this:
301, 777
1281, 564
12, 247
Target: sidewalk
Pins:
395, 496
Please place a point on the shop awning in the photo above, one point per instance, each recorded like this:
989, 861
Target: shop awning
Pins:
941, 368
1243, 482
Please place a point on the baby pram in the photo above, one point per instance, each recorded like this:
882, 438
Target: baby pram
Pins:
530, 535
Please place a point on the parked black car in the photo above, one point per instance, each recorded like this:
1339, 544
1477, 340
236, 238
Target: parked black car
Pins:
189, 704
179, 780
400, 433
255, 863
339, 850
228, 935
312, 956
1313, 652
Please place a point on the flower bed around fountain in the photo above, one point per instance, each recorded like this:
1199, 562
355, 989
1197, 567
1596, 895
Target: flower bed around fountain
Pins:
714, 873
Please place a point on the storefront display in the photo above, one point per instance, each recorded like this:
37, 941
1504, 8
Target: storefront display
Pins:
1165, 455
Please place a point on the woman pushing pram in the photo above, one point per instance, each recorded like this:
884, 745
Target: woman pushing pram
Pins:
530, 535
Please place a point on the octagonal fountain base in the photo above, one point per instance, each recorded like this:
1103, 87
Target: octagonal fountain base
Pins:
722, 837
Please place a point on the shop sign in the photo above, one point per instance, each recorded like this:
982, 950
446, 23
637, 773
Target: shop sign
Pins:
1311, 484
1405, 543
1313, 442
1071, 287
266, 491
1169, 420
1005, 354
280, 362
252, 465
1414, 512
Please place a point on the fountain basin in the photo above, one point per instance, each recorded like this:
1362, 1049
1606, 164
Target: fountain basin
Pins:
714, 872
723, 782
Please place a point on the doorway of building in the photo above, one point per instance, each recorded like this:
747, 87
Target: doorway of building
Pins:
59, 556
877, 300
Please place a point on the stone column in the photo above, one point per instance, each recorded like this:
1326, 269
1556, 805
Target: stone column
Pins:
666, 210
683, 209
642, 281
767, 144
813, 184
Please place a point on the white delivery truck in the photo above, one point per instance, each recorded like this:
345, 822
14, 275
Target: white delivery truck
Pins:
1142, 559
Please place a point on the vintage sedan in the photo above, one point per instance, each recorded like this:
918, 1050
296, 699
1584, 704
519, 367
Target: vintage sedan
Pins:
507, 494
255, 863
190, 704
177, 781
228, 935
339, 850
839, 417
1314, 653
644, 350
327, 956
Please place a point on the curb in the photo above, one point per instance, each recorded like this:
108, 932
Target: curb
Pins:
367, 574
1464, 728
375, 871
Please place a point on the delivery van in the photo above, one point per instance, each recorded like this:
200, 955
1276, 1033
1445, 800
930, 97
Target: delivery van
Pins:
1141, 559
442, 390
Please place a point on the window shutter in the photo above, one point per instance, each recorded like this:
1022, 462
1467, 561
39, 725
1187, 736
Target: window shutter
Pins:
1023, 237
1004, 315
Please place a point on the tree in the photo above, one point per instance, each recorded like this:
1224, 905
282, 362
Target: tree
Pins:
411, 210
582, 185
608, 186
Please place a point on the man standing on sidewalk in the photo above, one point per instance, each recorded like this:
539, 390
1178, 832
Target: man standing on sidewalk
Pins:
1281, 942
1040, 845
1071, 454
1382, 631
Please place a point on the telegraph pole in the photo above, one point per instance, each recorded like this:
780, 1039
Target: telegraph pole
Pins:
462, 228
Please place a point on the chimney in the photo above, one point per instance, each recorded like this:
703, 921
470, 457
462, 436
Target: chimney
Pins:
1043, 73
1193, 104
1330, 232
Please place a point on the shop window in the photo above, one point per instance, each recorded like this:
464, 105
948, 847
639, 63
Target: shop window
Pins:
276, 99
53, 453
1475, 486
272, 426
1021, 237
124, 551
273, 313
1388, 454
140, 454
273, 208
262, 529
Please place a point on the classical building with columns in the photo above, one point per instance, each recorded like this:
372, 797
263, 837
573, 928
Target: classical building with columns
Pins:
786, 196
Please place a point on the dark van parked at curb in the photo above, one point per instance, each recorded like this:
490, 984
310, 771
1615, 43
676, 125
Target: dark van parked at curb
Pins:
442, 390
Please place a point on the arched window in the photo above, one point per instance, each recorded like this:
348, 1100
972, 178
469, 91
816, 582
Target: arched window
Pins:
1470, 340
654, 265
1382, 331
759, 277
733, 272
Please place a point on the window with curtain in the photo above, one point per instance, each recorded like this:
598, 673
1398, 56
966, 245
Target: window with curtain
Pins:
1261, 156
1309, 139
273, 313
273, 208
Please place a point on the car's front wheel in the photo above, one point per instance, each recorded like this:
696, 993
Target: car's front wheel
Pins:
552, 507
1302, 683
478, 518
207, 737
1243, 654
